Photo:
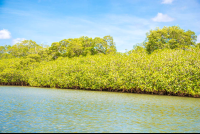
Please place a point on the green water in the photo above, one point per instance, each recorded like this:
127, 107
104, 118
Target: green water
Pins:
29, 109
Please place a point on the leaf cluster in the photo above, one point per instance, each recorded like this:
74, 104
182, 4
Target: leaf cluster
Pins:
169, 37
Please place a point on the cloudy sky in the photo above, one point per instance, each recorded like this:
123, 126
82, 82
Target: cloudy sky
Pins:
127, 21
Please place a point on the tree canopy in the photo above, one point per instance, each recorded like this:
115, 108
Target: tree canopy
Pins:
72, 47
82, 46
169, 37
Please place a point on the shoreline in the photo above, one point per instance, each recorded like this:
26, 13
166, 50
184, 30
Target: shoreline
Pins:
133, 90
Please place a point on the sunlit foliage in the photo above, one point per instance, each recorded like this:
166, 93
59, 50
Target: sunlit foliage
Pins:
167, 63
169, 37
82, 46
166, 70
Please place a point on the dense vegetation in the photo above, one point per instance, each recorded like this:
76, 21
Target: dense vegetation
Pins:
169, 37
76, 47
97, 66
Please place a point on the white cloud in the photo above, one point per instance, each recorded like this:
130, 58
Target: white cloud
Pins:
5, 34
198, 38
167, 1
17, 40
162, 18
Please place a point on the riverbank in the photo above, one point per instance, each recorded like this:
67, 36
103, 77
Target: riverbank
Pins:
133, 90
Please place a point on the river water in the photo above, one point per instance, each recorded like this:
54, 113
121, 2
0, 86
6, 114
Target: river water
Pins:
30, 109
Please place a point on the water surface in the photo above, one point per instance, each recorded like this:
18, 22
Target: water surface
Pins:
30, 109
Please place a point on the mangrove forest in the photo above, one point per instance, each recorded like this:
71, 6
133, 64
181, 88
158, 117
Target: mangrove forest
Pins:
166, 63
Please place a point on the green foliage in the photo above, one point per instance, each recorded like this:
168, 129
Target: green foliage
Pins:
96, 65
24, 48
82, 46
197, 45
36, 57
169, 37
3, 52
164, 70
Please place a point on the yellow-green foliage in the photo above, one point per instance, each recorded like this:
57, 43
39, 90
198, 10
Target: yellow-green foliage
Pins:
16, 70
164, 70
169, 37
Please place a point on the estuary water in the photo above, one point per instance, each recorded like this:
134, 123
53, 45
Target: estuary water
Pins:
31, 109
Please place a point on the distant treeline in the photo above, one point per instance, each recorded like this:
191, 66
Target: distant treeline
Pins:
76, 47
169, 65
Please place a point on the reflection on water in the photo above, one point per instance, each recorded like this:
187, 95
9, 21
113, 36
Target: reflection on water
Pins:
29, 109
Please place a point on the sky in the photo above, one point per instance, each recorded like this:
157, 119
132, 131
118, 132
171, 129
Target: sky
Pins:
127, 21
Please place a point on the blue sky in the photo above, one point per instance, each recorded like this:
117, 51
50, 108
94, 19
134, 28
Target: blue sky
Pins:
127, 21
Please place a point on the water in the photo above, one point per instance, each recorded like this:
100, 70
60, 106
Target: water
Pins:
30, 109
